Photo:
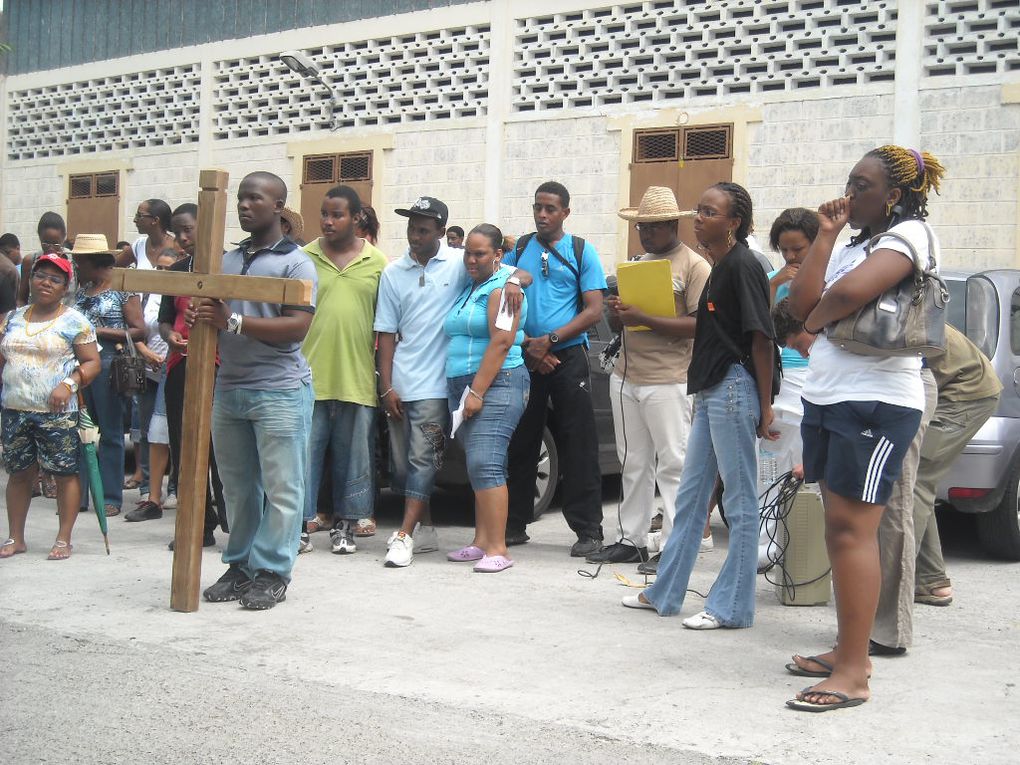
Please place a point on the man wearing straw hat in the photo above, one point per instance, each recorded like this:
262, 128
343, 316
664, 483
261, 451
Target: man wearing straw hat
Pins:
648, 387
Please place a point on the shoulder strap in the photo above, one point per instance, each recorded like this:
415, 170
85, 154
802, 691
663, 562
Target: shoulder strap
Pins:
521, 244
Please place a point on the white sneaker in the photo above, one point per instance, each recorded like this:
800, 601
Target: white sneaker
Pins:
707, 543
170, 502
702, 621
400, 551
426, 539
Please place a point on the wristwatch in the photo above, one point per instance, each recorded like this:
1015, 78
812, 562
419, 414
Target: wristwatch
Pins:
234, 323
554, 338
70, 383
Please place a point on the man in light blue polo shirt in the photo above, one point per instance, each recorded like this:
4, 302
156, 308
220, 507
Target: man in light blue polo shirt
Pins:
563, 302
415, 295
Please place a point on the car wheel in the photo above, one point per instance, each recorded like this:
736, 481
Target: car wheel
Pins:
548, 474
999, 529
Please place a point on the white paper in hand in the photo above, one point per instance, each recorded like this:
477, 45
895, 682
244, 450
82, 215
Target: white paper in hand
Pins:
458, 416
504, 319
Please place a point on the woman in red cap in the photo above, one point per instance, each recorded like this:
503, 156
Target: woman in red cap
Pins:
47, 352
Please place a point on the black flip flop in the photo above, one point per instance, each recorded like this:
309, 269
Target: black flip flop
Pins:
795, 669
806, 706
877, 649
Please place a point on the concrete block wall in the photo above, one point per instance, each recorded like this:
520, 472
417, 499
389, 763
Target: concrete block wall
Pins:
445, 164
802, 152
977, 139
580, 153
28, 192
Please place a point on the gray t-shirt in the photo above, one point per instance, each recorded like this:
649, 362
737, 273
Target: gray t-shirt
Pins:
253, 364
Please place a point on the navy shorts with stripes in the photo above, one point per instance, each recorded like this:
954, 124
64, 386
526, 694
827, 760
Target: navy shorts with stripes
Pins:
857, 447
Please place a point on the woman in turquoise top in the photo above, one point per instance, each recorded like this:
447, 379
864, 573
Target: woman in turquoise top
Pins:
485, 368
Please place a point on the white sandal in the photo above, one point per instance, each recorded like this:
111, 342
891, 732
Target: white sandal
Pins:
702, 621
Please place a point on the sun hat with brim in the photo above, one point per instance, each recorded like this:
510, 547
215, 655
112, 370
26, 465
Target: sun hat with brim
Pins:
658, 203
91, 244
54, 260
297, 223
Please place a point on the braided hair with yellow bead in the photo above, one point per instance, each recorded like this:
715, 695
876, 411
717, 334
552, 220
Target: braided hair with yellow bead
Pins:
915, 174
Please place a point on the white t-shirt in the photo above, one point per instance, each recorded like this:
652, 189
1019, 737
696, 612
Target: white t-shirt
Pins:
835, 375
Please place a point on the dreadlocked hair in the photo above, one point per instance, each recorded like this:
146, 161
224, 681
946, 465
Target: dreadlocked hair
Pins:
915, 174
740, 207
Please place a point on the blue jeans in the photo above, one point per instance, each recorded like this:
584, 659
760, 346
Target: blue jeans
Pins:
261, 443
417, 447
349, 431
486, 436
106, 407
723, 440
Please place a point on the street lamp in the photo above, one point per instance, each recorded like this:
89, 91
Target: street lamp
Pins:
299, 63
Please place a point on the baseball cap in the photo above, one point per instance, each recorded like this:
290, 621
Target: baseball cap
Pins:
56, 260
430, 207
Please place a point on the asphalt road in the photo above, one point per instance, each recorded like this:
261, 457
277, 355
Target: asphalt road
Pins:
434, 664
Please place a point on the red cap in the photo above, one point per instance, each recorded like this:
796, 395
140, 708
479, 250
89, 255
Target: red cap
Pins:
61, 263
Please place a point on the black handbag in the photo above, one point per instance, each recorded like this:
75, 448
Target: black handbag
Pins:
128, 369
906, 320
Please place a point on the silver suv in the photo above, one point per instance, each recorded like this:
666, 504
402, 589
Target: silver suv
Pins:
985, 479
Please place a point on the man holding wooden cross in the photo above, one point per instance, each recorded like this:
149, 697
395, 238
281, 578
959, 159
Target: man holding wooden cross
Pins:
263, 404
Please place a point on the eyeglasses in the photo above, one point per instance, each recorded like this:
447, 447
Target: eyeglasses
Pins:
706, 212
52, 245
39, 276
662, 224
139, 216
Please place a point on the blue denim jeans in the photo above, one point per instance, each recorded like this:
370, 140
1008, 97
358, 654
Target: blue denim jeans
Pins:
486, 436
106, 407
417, 447
261, 443
349, 431
723, 440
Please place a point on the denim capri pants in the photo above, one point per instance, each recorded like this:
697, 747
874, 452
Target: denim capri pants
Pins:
486, 436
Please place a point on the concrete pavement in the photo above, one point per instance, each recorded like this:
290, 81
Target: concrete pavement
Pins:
436, 664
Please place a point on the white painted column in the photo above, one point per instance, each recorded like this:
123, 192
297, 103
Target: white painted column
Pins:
501, 58
205, 112
909, 55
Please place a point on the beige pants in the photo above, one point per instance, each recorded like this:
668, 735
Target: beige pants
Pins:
894, 619
952, 427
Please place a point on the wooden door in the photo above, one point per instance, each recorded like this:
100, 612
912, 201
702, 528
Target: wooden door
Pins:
686, 160
321, 172
93, 205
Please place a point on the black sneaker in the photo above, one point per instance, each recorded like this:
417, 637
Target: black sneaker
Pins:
517, 538
231, 586
146, 511
649, 567
266, 590
208, 540
618, 553
585, 546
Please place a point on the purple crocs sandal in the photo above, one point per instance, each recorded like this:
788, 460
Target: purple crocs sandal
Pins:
493, 564
466, 554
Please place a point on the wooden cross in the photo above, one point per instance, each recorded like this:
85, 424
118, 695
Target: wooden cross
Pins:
205, 280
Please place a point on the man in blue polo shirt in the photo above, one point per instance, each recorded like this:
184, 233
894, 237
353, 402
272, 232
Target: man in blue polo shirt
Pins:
262, 412
416, 293
564, 301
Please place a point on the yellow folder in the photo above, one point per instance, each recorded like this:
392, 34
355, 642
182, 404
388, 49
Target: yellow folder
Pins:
648, 285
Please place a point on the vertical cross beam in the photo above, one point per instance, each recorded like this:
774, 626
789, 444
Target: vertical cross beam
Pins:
200, 380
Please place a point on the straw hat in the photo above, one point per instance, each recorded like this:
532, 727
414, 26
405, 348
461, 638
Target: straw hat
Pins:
297, 223
658, 203
91, 244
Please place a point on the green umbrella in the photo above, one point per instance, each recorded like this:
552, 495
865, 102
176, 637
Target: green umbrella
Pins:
89, 434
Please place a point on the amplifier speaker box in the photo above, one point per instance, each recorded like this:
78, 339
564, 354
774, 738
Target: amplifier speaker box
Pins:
805, 563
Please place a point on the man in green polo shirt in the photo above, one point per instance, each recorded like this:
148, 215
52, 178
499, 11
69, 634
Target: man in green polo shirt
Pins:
340, 350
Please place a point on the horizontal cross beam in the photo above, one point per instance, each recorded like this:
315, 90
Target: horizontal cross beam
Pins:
256, 289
